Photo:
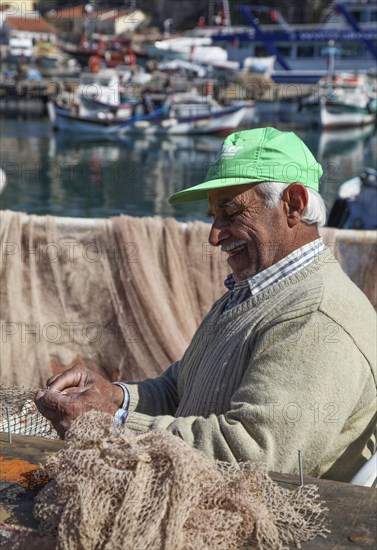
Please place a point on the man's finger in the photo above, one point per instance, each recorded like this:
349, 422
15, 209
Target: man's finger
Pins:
53, 400
50, 412
76, 390
39, 395
52, 379
68, 379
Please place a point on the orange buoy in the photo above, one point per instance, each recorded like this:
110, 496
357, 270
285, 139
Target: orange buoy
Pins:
94, 64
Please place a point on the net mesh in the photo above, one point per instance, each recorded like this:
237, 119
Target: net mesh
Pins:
126, 293
112, 489
19, 415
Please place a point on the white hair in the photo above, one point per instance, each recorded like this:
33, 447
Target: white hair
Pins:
315, 212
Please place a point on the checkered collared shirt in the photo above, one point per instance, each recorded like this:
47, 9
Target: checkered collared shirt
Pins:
242, 290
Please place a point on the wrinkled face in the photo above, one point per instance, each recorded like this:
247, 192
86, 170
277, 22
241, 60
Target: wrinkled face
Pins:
252, 235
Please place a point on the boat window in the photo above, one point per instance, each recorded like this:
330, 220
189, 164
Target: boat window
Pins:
352, 50
285, 50
260, 51
305, 51
190, 110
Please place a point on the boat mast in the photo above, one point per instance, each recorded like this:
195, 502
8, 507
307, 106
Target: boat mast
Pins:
227, 21
225, 12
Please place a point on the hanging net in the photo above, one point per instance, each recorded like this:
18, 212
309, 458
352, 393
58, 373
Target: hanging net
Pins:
126, 292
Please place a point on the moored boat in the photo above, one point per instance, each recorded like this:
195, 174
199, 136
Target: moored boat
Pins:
181, 114
53, 63
184, 114
97, 125
347, 100
94, 108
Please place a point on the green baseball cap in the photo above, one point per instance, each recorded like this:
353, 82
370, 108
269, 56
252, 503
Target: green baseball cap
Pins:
254, 156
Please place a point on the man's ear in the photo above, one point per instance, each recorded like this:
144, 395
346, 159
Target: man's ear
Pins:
295, 198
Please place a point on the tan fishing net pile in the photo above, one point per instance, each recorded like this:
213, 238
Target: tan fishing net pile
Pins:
127, 292
113, 490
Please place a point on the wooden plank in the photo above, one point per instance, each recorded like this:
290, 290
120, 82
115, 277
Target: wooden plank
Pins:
352, 516
352, 509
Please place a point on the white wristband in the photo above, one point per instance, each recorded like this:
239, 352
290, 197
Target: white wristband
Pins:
126, 395
120, 417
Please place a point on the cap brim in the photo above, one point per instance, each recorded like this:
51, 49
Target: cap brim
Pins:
199, 192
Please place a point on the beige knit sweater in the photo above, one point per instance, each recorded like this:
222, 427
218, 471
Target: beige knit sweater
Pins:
293, 367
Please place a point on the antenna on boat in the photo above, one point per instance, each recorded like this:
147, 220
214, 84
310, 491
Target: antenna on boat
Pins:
331, 52
167, 26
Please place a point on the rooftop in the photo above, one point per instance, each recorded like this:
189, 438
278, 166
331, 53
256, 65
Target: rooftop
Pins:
29, 24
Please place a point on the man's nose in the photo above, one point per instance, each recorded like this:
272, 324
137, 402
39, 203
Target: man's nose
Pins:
217, 234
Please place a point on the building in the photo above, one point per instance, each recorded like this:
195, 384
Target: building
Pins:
19, 8
33, 26
20, 29
75, 21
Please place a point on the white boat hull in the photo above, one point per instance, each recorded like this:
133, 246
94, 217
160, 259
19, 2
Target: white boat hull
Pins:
65, 121
337, 116
216, 121
220, 121
347, 100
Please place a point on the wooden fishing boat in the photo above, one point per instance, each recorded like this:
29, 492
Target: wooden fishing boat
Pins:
184, 114
181, 114
97, 124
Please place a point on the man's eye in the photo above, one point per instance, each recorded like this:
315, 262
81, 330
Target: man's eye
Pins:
232, 215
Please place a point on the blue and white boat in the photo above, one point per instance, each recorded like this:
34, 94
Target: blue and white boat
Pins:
181, 114
96, 125
185, 114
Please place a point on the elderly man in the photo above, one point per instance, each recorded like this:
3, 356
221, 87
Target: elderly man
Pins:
285, 359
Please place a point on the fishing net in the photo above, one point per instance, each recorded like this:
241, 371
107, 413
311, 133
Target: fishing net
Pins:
126, 292
112, 489
19, 415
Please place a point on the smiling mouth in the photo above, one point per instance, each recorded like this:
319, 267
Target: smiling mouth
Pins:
234, 248
236, 251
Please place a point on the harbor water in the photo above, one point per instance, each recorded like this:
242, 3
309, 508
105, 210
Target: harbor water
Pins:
60, 174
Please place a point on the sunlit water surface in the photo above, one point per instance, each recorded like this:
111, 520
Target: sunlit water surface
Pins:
55, 173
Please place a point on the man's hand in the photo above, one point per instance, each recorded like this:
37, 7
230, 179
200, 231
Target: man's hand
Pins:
74, 392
